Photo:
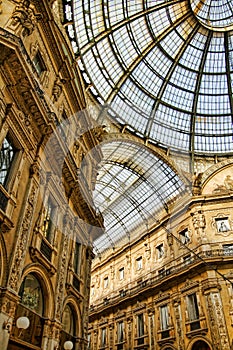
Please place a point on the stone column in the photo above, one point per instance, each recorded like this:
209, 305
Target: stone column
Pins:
217, 321
129, 335
178, 321
7, 311
111, 336
151, 327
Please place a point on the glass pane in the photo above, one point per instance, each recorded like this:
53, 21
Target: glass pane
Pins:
6, 158
31, 294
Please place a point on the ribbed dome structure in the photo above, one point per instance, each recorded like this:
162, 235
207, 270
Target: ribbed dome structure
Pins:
163, 68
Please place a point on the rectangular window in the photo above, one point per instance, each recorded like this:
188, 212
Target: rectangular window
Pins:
122, 273
222, 224
139, 263
48, 222
184, 236
77, 252
103, 337
106, 282
164, 321
187, 259
160, 251
7, 155
228, 249
193, 311
39, 64
89, 341
120, 332
140, 324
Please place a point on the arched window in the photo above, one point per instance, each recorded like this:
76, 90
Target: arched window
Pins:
68, 321
31, 294
200, 345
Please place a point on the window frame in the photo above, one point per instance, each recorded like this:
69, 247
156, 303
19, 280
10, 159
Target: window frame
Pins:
9, 171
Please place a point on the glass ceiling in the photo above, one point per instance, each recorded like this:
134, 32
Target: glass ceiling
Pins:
134, 188
164, 68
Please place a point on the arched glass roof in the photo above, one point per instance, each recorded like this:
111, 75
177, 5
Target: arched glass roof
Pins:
162, 67
134, 189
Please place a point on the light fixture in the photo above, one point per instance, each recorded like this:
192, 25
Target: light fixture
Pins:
22, 322
68, 345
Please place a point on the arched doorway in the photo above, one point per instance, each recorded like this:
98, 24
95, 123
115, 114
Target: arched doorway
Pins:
200, 345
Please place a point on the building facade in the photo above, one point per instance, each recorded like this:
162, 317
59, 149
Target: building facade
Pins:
47, 217
172, 288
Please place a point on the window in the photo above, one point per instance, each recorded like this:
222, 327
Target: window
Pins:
106, 282
122, 273
7, 155
77, 252
139, 263
164, 321
48, 222
184, 236
228, 249
222, 225
103, 337
193, 311
89, 341
120, 332
140, 324
31, 294
187, 259
160, 251
68, 320
39, 64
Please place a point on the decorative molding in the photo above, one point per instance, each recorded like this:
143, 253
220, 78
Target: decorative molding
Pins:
22, 240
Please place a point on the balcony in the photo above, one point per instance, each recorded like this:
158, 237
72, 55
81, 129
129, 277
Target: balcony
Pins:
33, 335
159, 277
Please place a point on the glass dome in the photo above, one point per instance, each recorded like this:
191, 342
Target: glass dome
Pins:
164, 68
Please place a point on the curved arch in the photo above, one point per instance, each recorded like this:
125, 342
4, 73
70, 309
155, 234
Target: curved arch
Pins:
136, 183
4, 272
75, 307
48, 293
168, 347
213, 180
200, 341
214, 169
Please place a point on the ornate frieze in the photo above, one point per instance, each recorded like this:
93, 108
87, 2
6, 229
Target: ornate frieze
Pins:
24, 15
217, 322
22, 240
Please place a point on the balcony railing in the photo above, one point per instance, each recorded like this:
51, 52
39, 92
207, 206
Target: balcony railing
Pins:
150, 280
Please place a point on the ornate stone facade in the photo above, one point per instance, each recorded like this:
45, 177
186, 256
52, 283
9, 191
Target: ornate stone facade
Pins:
185, 296
45, 241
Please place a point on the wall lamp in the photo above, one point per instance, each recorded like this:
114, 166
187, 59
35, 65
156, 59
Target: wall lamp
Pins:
21, 323
68, 345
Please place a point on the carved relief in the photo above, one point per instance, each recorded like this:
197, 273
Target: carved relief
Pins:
62, 268
25, 16
178, 320
217, 322
57, 88
222, 224
220, 183
20, 252
196, 183
199, 223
